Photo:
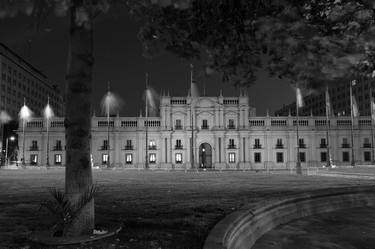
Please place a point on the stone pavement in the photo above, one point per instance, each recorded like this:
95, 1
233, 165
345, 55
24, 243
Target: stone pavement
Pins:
346, 229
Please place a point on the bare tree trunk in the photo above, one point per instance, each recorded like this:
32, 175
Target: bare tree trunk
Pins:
78, 174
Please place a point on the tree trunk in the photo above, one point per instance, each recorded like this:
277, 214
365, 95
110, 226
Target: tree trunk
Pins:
78, 174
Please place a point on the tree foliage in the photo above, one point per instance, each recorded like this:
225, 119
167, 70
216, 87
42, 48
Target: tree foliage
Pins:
309, 42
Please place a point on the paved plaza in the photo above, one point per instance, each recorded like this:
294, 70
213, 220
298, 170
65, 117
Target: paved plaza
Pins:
158, 209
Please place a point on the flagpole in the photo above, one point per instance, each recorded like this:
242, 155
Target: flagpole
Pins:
372, 123
192, 117
298, 165
23, 136
146, 123
352, 121
328, 109
47, 119
108, 145
1, 142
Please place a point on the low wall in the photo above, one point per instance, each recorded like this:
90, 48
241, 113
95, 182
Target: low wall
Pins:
241, 229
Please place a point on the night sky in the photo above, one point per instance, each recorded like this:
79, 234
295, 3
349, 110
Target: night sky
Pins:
118, 59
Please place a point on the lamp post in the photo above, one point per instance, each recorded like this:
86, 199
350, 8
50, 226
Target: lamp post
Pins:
12, 138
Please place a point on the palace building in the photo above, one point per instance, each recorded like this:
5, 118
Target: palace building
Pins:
212, 132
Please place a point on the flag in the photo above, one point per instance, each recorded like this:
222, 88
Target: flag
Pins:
299, 98
4, 117
193, 86
355, 107
372, 106
328, 104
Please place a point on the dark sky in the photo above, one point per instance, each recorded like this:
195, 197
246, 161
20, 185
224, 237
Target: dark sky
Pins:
118, 59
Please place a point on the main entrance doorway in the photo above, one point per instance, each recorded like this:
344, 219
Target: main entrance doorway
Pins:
205, 156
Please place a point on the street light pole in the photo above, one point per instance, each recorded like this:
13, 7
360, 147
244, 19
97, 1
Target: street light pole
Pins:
6, 149
6, 152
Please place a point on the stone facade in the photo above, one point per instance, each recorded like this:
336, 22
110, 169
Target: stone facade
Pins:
226, 135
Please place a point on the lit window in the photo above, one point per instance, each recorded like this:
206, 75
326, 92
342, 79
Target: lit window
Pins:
128, 158
178, 157
34, 159
232, 157
152, 158
58, 159
152, 145
104, 158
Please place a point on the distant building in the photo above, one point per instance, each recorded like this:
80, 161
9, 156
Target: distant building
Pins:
226, 134
339, 99
19, 80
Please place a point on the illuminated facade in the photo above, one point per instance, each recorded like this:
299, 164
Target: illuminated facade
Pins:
226, 135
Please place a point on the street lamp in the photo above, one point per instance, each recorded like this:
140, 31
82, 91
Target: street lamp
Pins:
11, 138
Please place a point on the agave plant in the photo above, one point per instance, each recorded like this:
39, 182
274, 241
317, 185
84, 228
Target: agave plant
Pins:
64, 211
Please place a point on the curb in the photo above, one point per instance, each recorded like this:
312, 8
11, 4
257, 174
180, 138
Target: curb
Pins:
241, 229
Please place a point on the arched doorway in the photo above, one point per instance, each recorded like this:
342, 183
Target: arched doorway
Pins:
205, 156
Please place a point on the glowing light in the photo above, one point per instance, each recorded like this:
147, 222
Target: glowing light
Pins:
152, 101
111, 103
48, 112
4, 117
25, 113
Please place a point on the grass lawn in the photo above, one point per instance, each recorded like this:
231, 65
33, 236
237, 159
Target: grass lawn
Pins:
157, 209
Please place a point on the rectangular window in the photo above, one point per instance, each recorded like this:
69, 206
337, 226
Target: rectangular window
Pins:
345, 143
204, 124
257, 144
152, 145
323, 156
345, 156
301, 143
129, 145
367, 156
302, 157
178, 157
129, 158
58, 159
104, 158
257, 157
366, 143
178, 144
178, 124
279, 143
34, 145
231, 144
152, 158
33, 159
231, 124
58, 145
232, 157
323, 143
279, 157
105, 145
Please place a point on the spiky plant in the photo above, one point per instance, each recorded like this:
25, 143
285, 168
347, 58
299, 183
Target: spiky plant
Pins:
64, 210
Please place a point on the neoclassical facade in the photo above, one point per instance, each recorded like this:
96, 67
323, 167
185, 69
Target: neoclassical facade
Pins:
226, 134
